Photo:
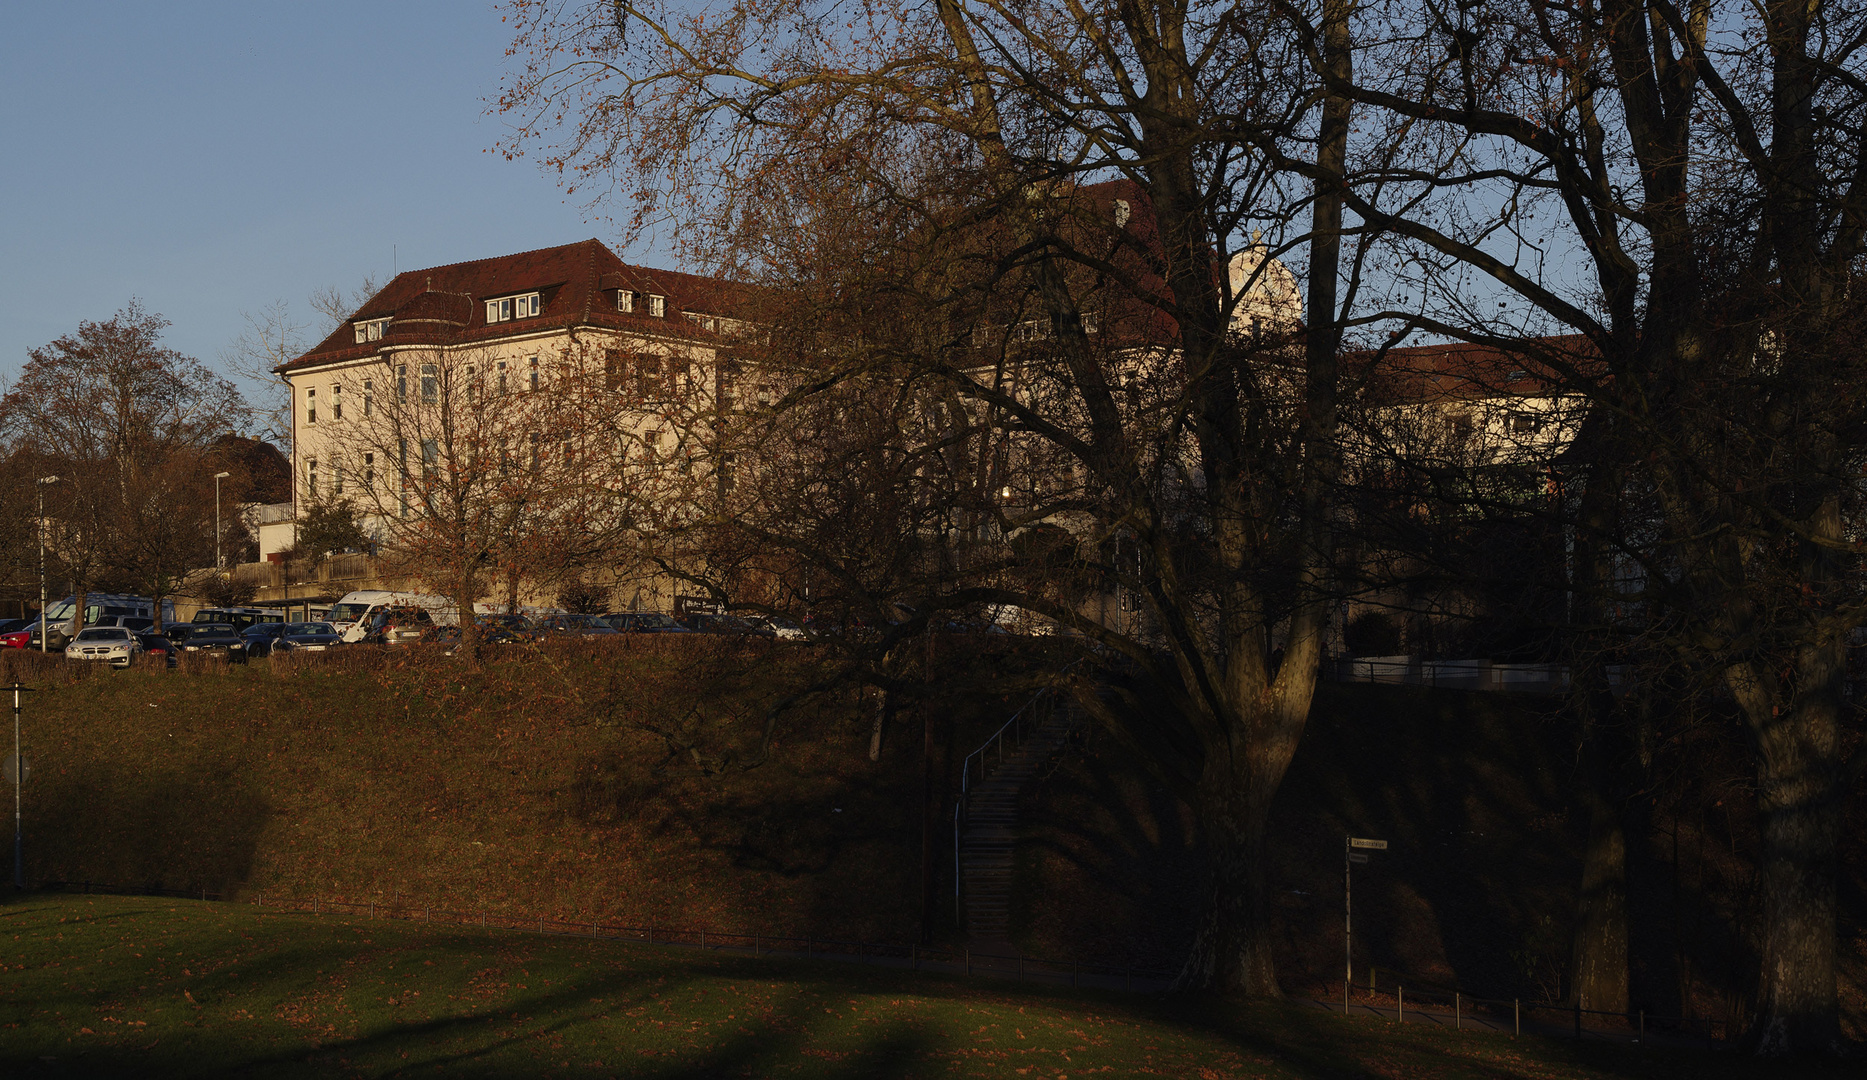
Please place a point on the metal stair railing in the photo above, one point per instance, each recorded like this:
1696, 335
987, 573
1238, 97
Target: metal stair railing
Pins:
1031, 713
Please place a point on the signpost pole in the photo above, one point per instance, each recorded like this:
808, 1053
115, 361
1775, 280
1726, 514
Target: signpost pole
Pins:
19, 774
1354, 850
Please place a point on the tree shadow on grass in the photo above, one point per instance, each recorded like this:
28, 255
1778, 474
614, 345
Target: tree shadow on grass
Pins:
185, 826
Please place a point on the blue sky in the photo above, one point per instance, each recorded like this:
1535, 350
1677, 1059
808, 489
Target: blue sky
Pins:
211, 158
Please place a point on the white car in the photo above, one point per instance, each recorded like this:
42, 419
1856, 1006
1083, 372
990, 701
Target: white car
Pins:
116, 644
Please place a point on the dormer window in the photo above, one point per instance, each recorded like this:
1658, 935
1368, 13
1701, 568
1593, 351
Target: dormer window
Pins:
512, 307
657, 306
371, 329
1122, 213
705, 322
625, 301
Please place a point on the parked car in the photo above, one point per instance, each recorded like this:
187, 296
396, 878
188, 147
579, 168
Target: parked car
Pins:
777, 626
157, 645
448, 637
573, 624
260, 637
516, 628
703, 623
135, 623
307, 637
240, 618
644, 622
397, 626
10, 625
214, 639
115, 644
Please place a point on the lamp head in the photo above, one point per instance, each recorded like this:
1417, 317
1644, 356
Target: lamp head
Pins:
48, 479
222, 475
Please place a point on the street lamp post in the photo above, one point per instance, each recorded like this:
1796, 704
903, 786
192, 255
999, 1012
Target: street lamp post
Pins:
43, 480
219, 563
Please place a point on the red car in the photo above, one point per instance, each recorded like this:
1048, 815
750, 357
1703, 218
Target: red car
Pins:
18, 639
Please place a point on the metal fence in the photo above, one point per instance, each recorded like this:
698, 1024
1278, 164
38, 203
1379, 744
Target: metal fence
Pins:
1451, 1007
1484, 675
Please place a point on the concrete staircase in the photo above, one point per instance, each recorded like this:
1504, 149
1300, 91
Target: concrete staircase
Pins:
989, 833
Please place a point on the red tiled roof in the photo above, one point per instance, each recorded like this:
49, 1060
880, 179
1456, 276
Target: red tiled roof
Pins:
446, 303
1467, 370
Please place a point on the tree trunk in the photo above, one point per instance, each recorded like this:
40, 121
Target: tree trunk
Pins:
1800, 798
1598, 978
466, 593
1232, 948
884, 717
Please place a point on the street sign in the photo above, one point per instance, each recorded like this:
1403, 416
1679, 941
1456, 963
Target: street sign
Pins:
17, 773
1358, 856
1376, 845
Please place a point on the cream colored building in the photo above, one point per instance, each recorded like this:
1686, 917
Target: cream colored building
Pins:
564, 358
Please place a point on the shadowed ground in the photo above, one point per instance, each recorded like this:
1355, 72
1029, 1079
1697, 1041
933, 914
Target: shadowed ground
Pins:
95, 985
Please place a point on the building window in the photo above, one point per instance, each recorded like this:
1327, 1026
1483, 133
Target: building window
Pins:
625, 301
369, 398
531, 372
401, 382
657, 306
615, 369
311, 478
311, 405
501, 388
512, 307
1121, 213
337, 477
337, 401
369, 472
430, 384
371, 330
649, 377
430, 458
705, 322
473, 384
534, 450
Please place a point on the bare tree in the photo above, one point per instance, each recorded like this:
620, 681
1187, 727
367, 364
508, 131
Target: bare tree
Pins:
273, 337
125, 417
971, 127
1679, 189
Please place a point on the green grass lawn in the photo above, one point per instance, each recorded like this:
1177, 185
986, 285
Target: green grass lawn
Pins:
93, 985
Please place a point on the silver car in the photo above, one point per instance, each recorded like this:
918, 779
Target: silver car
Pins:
116, 644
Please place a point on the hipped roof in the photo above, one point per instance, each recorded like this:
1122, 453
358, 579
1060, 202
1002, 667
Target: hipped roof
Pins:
576, 283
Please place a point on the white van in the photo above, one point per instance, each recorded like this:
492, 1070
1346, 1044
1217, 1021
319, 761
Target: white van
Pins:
351, 616
61, 621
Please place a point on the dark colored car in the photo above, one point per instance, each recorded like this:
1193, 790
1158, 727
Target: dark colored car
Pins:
261, 637
449, 637
515, 628
158, 645
398, 626
214, 639
721, 624
573, 624
307, 637
644, 622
